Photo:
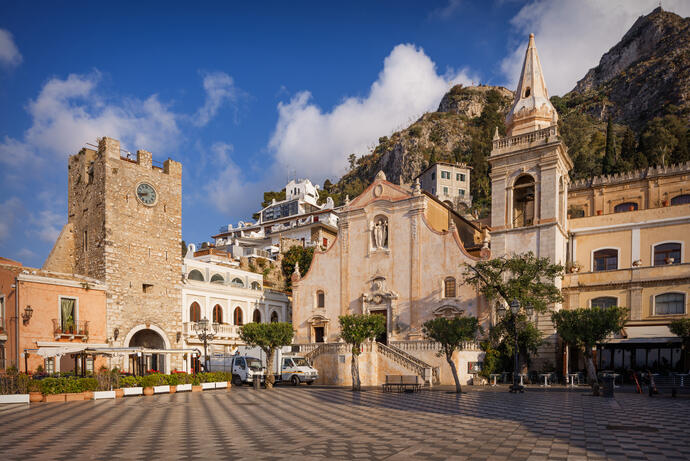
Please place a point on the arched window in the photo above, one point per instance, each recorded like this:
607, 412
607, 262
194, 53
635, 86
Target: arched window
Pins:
623, 207
680, 199
217, 278
320, 299
257, 316
605, 260
196, 275
194, 312
274, 317
217, 314
604, 302
256, 286
576, 212
237, 316
667, 253
669, 303
523, 201
449, 287
236, 282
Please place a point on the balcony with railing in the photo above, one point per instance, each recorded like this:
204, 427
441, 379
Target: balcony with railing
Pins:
75, 330
222, 331
524, 140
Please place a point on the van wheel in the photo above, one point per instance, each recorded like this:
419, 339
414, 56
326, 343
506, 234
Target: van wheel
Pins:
294, 380
236, 380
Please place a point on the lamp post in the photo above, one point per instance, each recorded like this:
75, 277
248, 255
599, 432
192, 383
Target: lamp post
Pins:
205, 334
515, 309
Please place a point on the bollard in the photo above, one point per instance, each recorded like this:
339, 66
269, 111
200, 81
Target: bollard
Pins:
257, 382
608, 386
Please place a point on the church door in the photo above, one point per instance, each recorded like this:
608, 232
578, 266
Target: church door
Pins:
383, 337
318, 334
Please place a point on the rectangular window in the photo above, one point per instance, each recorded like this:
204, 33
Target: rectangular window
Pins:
68, 314
667, 253
445, 174
433, 176
2, 314
462, 177
605, 260
325, 242
457, 176
49, 365
461, 192
669, 303
147, 288
445, 191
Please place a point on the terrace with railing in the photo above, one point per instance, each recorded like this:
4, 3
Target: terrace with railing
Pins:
75, 330
525, 140
222, 331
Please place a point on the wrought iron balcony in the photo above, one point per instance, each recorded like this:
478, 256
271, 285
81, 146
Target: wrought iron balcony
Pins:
70, 330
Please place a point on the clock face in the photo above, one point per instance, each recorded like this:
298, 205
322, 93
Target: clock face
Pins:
146, 193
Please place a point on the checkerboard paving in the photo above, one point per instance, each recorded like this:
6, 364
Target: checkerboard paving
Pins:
328, 423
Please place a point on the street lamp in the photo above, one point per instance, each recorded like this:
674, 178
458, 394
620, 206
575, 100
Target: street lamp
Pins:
205, 334
515, 310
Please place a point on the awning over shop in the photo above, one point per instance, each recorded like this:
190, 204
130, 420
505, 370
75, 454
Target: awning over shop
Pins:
55, 351
650, 334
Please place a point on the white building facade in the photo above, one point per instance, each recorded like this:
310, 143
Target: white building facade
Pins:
215, 288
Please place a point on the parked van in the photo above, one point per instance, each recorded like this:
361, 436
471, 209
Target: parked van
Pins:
242, 367
287, 366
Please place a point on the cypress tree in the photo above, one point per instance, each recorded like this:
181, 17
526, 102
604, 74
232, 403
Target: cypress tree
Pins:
609, 165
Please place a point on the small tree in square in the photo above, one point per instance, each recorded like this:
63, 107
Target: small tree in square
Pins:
681, 328
584, 328
451, 333
269, 337
356, 329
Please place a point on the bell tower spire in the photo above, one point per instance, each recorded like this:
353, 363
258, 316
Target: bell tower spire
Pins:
531, 109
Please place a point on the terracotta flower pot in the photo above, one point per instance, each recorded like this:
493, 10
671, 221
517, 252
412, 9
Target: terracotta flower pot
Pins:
598, 212
197, 388
119, 393
229, 386
35, 397
54, 398
88, 395
148, 391
173, 389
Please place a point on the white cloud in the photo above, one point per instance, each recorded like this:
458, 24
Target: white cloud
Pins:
447, 11
25, 254
46, 225
220, 88
316, 143
68, 113
10, 210
572, 36
9, 53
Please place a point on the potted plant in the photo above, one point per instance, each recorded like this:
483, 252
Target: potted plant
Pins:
196, 383
147, 382
598, 212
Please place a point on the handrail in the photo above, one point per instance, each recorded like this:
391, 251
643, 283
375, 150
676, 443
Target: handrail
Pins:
404, 359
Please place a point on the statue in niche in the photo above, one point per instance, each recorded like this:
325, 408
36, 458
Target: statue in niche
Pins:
380, 233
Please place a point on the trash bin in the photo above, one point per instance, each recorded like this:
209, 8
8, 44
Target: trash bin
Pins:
257, 382
608, 386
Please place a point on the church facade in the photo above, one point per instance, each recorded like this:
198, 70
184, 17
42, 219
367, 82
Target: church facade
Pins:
401, 254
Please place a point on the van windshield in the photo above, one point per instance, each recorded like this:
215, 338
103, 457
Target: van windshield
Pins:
254, 364
300, 362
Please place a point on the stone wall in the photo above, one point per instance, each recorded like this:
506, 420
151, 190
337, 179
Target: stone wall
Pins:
61, 257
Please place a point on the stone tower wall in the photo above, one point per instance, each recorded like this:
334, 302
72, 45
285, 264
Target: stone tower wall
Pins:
142, 245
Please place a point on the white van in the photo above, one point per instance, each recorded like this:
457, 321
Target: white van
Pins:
287, 366
242, 367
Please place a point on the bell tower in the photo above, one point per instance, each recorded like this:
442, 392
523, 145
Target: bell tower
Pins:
529, 172
529, 181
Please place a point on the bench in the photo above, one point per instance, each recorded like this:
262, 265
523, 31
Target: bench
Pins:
401, 383
673, 383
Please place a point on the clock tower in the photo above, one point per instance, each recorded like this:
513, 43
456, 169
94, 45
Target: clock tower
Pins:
124, 227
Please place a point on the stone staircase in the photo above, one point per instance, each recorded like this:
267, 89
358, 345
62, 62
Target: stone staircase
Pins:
408, 361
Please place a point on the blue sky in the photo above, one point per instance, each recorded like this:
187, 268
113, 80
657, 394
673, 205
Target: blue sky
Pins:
245, 95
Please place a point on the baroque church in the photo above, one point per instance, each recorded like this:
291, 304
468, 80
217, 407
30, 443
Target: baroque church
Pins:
400, 252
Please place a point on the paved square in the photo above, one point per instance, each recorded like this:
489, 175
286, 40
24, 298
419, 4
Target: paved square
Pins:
323, 423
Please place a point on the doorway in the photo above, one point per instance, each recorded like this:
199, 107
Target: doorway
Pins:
318, 334
383, 337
